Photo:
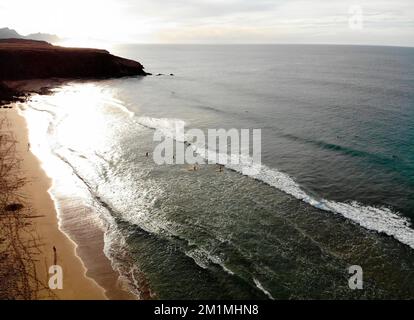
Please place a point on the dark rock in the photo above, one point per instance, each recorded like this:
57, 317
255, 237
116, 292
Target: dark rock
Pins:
7, 95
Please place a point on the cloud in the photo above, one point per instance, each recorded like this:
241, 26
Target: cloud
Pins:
315, 21
215, 21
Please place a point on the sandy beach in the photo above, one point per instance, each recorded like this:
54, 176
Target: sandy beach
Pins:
76, 285
67, 229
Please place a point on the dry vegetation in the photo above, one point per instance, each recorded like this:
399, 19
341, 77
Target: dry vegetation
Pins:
19, 243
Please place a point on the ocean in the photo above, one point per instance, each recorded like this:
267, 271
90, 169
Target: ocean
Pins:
335, 189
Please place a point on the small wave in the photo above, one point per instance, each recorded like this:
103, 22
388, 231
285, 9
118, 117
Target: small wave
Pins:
203, 258
261, 288
374, 157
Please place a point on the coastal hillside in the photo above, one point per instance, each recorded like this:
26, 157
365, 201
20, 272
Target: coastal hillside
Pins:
7, 33
22, 59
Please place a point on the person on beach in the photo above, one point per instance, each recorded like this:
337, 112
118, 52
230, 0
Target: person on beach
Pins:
28, 146
147, 154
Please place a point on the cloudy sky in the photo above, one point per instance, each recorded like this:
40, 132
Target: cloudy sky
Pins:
216, 21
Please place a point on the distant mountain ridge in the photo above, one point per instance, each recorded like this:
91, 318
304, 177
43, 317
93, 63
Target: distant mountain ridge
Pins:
7, 33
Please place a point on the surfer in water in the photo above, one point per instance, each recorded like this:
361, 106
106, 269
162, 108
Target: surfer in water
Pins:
193, 168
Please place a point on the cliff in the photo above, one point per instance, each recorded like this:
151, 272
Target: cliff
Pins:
28, 59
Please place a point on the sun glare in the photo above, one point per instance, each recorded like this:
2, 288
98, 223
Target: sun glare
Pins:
76, 19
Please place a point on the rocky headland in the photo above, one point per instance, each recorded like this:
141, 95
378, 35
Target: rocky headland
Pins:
22, 59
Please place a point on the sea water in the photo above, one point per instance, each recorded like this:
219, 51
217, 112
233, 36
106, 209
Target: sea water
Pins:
335, 189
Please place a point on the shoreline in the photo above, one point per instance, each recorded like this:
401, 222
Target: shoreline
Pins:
76, 284
87, 273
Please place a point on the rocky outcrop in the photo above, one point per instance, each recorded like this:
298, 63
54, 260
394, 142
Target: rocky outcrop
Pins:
7, 94
28, 59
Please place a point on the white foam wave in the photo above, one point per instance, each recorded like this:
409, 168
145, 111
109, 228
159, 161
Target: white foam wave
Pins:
203, 258
381, 220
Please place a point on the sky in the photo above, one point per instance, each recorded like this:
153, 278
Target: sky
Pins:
371, 22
